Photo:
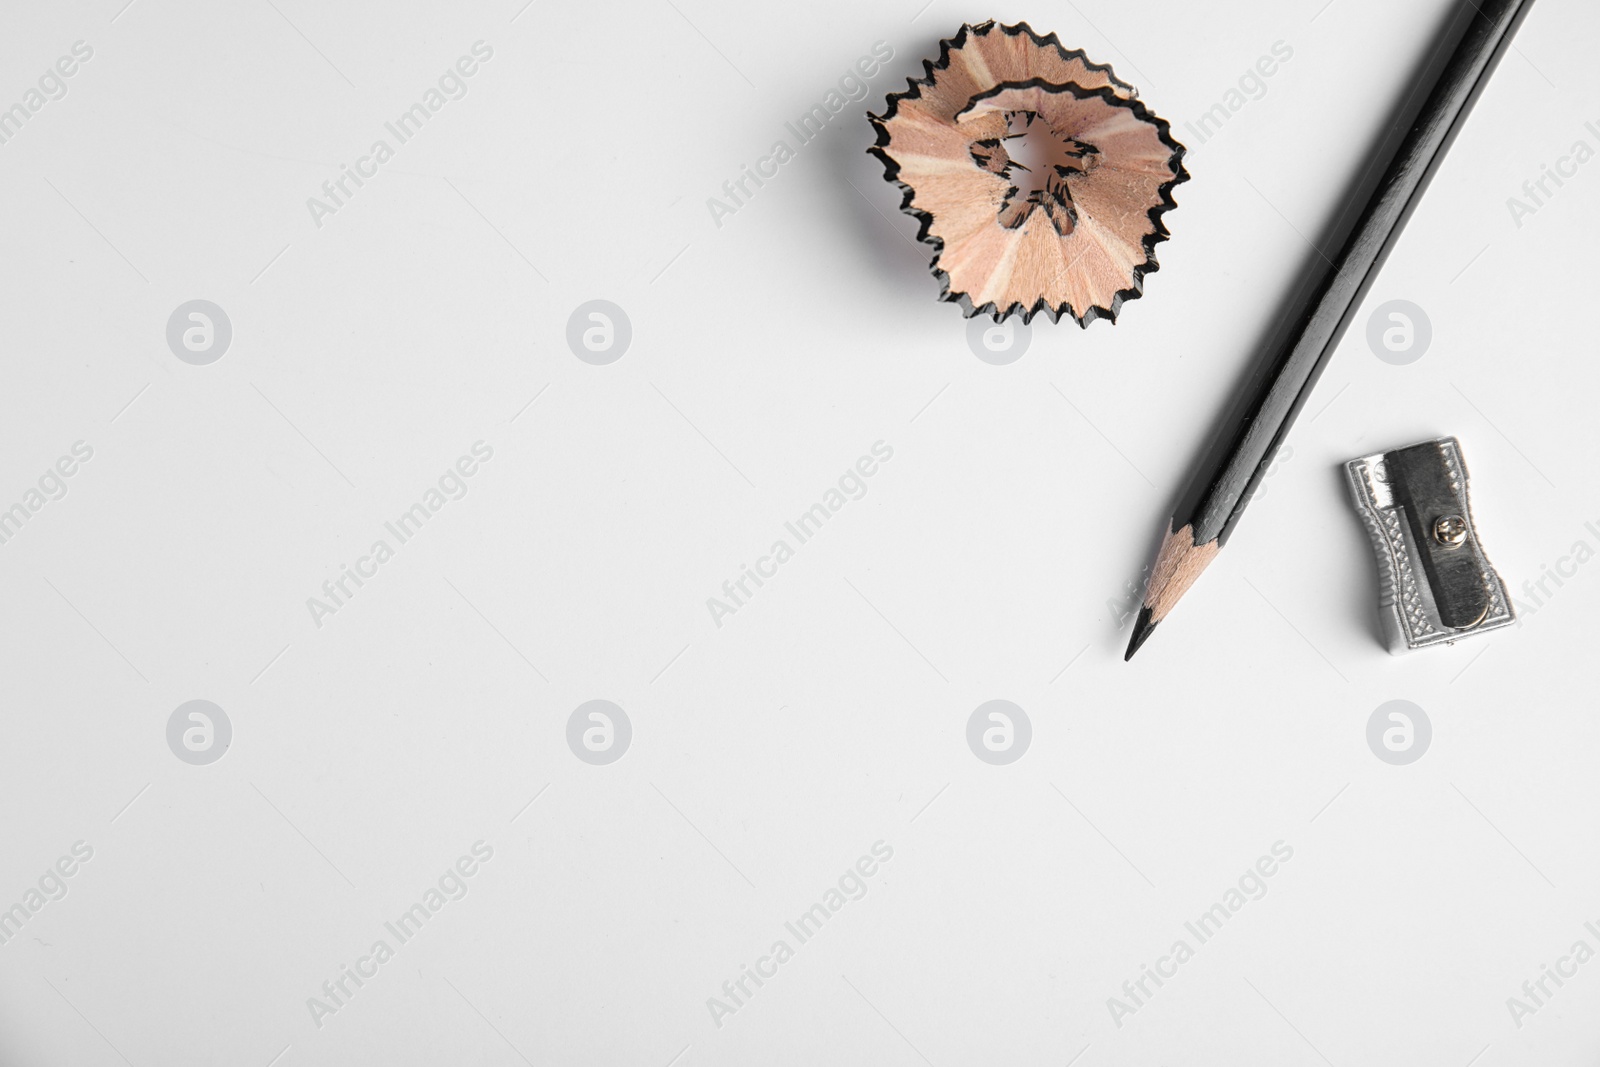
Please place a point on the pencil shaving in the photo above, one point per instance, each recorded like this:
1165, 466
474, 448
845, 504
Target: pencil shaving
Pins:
1074, 232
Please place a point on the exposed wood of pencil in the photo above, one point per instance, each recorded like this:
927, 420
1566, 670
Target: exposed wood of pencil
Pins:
1311, 323
1178, 564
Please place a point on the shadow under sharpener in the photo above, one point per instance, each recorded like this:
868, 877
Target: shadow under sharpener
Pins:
1436, 586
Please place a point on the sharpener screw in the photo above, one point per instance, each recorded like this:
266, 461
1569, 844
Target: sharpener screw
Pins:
1451, 531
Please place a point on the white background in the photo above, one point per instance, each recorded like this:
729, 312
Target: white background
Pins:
987, 560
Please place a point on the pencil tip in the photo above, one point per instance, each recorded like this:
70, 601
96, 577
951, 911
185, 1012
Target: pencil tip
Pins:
1142, 629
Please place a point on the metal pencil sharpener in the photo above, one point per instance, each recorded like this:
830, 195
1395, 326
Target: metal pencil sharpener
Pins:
1435, 583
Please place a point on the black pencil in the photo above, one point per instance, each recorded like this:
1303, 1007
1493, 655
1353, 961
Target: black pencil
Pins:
1308, 330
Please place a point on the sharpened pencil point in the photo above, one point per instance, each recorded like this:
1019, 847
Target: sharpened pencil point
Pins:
1142, 629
